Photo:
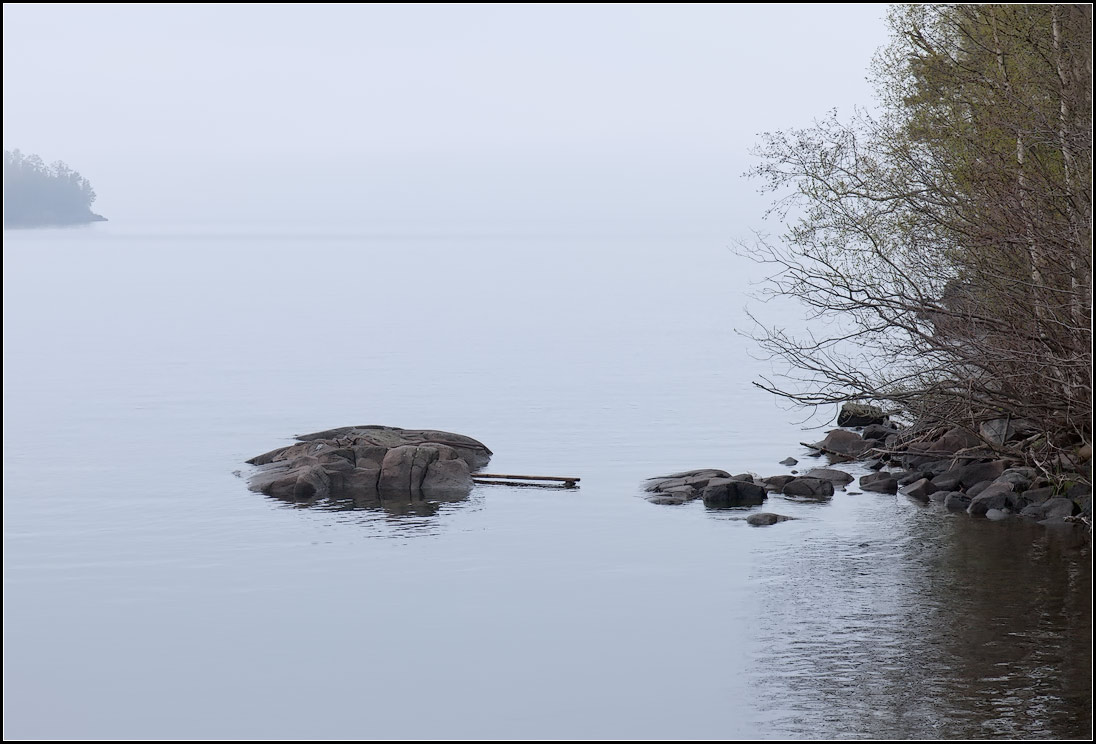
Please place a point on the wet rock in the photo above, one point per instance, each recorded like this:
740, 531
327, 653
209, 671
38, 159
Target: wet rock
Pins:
361, 461
809, 488
997, 496
764, 519
724, 493
694, 478
879, 483
948, 481
842, 443
839, 478
859, 414
667, 499
1057, 508
674, 495
978, 487
957, 500
776, 483
789, 461
907, 477
919, 490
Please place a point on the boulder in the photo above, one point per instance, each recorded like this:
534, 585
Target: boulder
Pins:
697, 479
789, 461
980, 471
471, 451
948, 481
725, 493
859, 414
1037, 495
906, 477
839, 478
1019, 478
674, 495
997, 496
978, 487
764, 519
360, 462
877, 432
1056, 509
809, 488
776, 483
920, 490
879, 483
956, 500
843, 444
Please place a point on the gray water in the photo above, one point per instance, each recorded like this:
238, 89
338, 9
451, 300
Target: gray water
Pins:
149, 594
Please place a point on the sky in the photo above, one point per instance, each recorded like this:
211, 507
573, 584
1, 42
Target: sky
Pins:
641, 113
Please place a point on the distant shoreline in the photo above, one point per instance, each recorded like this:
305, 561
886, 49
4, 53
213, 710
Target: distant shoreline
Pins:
54, 222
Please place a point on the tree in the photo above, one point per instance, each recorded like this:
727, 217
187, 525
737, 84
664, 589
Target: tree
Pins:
36, 194
944, 244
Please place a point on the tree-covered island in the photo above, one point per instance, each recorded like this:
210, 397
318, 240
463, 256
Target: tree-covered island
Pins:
40, 195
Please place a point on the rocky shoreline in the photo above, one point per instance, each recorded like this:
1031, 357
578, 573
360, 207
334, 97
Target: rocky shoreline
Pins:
962, 470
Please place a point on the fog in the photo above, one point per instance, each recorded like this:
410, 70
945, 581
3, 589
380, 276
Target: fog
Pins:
494, 115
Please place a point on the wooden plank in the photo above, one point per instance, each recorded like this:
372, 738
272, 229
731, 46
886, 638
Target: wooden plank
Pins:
527, 477
525, 484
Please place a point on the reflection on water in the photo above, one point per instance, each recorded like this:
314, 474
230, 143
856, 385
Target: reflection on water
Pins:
391, 503
403, 514
950, 628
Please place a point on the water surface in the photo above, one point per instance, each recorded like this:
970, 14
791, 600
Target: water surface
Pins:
149, 594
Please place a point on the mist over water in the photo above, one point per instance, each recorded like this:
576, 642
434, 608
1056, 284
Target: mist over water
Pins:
511, 222
147, 590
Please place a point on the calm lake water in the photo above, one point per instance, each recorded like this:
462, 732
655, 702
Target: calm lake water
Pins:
149, 594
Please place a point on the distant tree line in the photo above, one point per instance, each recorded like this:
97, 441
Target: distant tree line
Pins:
36, 194
944, 244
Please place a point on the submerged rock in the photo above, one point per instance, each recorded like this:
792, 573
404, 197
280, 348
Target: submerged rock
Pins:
358, 461
764, 519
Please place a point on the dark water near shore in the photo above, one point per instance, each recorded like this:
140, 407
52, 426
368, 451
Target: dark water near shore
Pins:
149, 594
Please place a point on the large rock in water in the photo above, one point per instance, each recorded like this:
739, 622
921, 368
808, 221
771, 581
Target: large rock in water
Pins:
355, 461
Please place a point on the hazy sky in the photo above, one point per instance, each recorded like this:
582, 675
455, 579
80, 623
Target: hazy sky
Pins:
538, 112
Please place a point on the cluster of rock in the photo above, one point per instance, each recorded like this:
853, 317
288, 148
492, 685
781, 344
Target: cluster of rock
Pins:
721, 490
359, 461
956, 467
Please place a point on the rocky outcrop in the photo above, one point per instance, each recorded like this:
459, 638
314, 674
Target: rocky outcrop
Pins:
359, 461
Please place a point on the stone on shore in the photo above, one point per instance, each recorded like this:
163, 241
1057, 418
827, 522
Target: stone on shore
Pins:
859, 414
879, 482
843, 444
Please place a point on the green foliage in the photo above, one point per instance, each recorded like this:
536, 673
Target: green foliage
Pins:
947, 240
36, 194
